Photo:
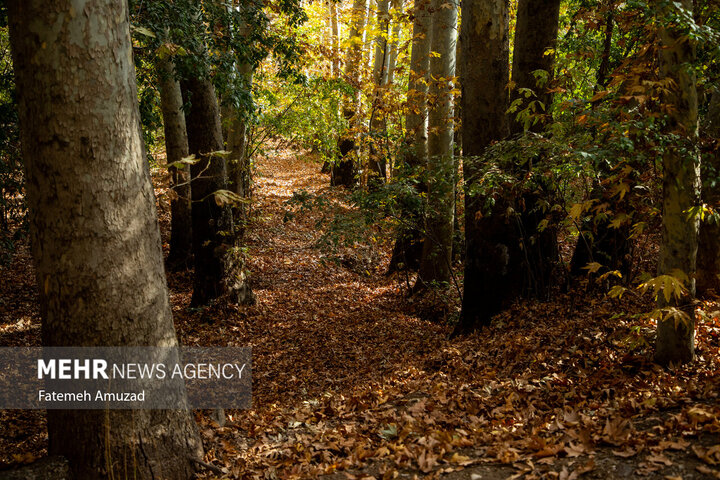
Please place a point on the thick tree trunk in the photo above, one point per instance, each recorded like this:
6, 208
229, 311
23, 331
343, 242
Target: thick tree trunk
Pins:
344, 171
708, 256
93, 224
217, 270
681, 191
436, 260
176, 148
409, 244
484, 32
535, 35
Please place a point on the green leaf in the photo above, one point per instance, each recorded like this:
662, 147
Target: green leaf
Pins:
143, 31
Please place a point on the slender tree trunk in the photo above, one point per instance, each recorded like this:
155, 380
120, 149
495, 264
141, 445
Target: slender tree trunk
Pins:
377, 161
240, 174
93, 223
708, 256
535, 39
334, 37
343, 172
681, 189
437, 247
397, 6
381, 44
217, 270
484, 32
409, 244
603, 76
176, 148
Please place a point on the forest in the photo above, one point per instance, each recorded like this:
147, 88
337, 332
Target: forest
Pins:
461, 240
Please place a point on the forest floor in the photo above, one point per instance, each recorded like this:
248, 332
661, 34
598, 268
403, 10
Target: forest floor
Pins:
354, 379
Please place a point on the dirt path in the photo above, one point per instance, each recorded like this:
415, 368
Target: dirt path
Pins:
347, 384
318, 328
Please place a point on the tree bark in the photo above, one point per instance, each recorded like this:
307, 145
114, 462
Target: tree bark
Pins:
484, 39
681, 191
708, 256
334, 38
535, 34
409, 244
377, 161
217, 270
176, 148
93, 224
436, 260
240, 174
603, 75
397, 6
343, 172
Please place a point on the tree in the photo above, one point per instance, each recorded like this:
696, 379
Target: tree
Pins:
334, 37
397, 11
532, 70
96, 242
408, 246
534, 52
239, 114
218, 270
344, 170
681, 185
377, 162
485, 56
176, 148
435, 265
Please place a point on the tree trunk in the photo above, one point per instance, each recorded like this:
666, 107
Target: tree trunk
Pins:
334, 38
93, 224
681, 189
343, 172
436, 260
708, 256
217, 270
409, 244
535, 40
240, 173
176, 148
535, 34
377, 161
603, 75
397, 6
239, 166
484, 32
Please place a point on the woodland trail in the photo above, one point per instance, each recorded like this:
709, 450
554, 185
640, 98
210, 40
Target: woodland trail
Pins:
317, 327
348, 384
